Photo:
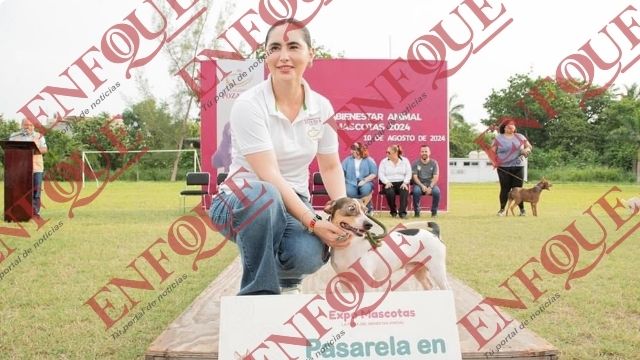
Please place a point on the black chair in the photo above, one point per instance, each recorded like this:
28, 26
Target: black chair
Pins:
381, 203
317, 188
194, 179
221, 178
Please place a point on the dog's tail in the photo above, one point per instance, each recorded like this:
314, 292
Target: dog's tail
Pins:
434, 228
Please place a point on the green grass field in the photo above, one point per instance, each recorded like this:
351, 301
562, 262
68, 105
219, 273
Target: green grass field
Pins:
43, 314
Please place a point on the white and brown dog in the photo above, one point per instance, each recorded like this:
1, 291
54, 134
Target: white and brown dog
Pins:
349, 214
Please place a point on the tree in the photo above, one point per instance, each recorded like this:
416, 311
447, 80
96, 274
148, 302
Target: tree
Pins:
7, 127
92, 134
632, 124
455, 115
180, 52
620, 126
461, 134
60, 146
571, 124
154, 122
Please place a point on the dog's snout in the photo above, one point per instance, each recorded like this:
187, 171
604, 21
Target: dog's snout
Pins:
367, 225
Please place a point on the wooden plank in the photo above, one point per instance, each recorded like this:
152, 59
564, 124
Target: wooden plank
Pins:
194, 334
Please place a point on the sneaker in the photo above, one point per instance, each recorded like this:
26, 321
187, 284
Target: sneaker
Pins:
523, 213
416, 214
501, 212
434, 215
370, 212
394, 215
403, 216
292, 290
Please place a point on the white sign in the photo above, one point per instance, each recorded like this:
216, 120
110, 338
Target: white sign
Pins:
404, 325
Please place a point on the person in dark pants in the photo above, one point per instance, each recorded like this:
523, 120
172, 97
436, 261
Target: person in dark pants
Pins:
27, 133
511, 149
395, 173
425, 179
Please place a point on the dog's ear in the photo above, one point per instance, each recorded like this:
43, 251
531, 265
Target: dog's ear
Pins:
363, 206
625, 203
328, 207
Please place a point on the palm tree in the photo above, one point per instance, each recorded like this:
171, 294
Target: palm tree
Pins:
455, 115
632, 92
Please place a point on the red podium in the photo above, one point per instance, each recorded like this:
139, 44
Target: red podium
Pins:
18, 179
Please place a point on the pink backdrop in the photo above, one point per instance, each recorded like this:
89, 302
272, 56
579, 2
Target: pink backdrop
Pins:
377, 102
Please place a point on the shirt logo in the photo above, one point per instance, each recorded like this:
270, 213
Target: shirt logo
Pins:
314, 127
312, 121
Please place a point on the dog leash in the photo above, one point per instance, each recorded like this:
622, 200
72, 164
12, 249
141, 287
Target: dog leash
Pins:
376, 240
515, 176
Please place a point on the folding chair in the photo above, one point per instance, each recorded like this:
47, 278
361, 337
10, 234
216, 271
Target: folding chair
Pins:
381, 202
200, 179
317, 188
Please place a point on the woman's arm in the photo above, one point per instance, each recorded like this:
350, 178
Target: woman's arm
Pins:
373, 170
332, 175
265, 166
526, 146
382, 176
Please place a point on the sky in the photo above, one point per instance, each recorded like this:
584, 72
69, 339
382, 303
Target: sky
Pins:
40, 39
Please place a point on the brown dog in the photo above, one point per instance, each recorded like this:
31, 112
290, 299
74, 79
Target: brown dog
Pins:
532, 195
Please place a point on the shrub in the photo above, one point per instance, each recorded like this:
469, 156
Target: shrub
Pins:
581, 174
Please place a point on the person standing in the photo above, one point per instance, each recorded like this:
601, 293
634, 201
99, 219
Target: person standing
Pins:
277, 128
425, 173
359, 171
27, 133
395, 174
511, 149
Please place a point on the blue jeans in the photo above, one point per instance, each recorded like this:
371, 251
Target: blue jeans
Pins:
275, 248
358, 192
417, 193
37, 191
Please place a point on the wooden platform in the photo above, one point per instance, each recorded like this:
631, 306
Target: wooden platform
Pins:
194, 334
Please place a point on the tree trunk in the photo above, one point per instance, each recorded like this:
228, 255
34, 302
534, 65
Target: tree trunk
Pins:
174, 172
176, 162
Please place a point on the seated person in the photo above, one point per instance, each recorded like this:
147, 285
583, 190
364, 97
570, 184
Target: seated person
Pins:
425, 177
395, 174
359, 172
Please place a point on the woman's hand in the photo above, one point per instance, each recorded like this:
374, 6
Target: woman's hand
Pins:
332, 235
362, 182
404, 186
388, 185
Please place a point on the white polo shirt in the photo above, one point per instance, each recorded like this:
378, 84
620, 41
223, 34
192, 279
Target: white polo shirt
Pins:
401, 171
257, 126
